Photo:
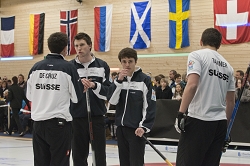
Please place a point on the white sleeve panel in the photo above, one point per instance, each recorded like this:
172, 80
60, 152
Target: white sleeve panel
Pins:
72, 90
116, 94
29, 88
145, 106
97, 91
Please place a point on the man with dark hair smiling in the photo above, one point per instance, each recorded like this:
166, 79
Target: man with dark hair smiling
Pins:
239, 74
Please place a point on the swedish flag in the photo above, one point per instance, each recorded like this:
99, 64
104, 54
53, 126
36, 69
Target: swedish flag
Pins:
178, 23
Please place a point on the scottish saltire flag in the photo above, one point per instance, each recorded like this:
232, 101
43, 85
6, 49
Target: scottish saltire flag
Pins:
68, 25
7, 36
140, 28
103, 21
36, 34
232, 19
178, 23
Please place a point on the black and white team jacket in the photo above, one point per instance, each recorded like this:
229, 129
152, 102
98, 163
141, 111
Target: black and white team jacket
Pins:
51, 84
135, 101
99, 71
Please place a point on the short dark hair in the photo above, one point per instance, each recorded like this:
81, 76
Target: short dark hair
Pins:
241, 72
174, 72
21, 76
114, 74
164, 80
161, 75
177, 75
211, 37
158, 79
14, 80
57, 42
127, 53
83, 36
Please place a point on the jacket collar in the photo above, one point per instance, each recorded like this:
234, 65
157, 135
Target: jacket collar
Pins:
55, 55
93, 59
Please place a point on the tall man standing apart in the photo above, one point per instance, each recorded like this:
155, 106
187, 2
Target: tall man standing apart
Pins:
209, 99
94, 73
135, 101
51, 84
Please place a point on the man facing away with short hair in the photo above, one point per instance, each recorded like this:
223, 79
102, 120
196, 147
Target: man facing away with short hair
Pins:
51, 84
209, 99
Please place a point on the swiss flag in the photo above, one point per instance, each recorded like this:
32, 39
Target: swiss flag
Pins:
232, 19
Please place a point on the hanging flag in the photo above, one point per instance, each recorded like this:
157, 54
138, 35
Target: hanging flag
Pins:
7, 36
36, 33
68, 20
232, 19
103, 21
140, 28
178, 23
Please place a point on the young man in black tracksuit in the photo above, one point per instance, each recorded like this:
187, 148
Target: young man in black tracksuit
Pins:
94, 74
132, 93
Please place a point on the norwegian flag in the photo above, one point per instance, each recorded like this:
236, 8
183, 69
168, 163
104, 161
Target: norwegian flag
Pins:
232, 19
68, 25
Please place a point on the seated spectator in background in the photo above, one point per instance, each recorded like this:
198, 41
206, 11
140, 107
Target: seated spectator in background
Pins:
1, 91
246, 92
3, 112
24, 118
172, 74
248, 80
113, 75
177, 80
4, 78
239, 74
5, 94
9, 83
178, 92
148, 74
161, 75
156, 81
164, 92
3, 88
184, 80
1, 83
21, 82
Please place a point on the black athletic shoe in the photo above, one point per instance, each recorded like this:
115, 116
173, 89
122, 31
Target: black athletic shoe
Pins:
6, 132
22, 134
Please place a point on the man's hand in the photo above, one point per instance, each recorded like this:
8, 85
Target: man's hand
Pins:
123, 73
139, 131
87, 83
226, 144
180, 122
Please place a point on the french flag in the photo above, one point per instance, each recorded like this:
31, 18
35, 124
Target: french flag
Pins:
103, 21
7, 36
